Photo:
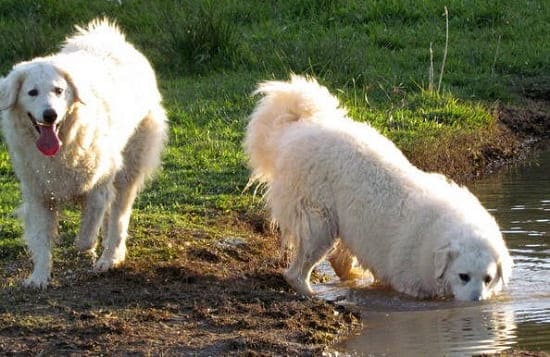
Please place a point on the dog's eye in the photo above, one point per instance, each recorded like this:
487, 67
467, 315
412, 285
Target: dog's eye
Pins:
487, 279
464, 277
58, 90
33, 92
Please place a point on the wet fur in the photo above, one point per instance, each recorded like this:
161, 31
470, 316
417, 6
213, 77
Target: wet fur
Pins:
329, 177
113, 129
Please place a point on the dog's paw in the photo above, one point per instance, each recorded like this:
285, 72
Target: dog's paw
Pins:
85, 245
300, 285
106, 263
88, 257
36, 281
89, 254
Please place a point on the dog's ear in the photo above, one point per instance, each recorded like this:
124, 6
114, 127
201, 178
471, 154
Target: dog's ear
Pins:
9, 88
76, 87
77, 93
443, 256
504, 270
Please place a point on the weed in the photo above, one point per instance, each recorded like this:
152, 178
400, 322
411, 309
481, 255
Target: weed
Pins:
199, 36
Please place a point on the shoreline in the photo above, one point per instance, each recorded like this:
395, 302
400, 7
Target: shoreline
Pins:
516, 133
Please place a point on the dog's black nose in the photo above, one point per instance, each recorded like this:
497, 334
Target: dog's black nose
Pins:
475, 297
49, 116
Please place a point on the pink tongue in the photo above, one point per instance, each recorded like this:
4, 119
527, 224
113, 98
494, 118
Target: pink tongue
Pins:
48, 143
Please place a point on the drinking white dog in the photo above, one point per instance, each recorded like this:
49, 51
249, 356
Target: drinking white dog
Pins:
84, 125
330, 177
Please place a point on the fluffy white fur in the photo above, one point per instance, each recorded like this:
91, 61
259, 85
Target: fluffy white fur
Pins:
84, 125
330, 177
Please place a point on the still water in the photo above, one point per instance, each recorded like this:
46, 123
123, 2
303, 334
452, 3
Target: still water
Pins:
395, 325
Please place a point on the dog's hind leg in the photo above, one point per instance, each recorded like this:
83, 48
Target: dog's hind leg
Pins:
141, 158
114, 239
314, 238
95, 205
344, 264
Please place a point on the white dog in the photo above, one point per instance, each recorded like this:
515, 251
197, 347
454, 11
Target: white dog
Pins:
84, 125
329, 177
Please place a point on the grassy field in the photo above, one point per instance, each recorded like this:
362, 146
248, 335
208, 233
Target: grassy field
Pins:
209, 55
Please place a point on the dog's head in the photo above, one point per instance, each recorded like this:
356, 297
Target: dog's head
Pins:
472, 270
44, 95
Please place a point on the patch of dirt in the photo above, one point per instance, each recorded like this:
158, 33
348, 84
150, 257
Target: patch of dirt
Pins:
516, 132
221, 298
531, 122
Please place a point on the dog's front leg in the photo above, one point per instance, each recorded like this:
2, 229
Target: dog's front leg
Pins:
40, 228
96, 203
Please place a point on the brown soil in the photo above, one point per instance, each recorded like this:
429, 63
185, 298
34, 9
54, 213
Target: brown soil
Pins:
226, 297
222, 297
466, 157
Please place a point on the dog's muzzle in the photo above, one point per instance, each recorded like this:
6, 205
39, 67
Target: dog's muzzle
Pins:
49, 117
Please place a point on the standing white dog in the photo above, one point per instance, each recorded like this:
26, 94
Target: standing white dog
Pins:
84, 125
329, 177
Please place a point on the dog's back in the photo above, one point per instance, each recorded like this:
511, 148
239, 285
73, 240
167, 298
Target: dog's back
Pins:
101, 38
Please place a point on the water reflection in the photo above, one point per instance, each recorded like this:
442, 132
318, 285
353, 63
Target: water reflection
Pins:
519, 199
449, 332
400, 326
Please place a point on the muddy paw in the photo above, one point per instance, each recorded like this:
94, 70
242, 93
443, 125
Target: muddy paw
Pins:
300, 285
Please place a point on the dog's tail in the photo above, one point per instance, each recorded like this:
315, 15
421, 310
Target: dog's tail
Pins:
282, 104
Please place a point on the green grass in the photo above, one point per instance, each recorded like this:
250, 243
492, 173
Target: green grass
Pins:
210, 54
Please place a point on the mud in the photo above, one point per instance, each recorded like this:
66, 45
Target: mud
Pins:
516, 132
225, 298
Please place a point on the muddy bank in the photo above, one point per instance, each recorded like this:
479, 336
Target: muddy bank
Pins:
517, 130
220, 297
465, 157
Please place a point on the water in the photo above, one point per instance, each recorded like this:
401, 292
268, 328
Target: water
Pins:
396, 325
